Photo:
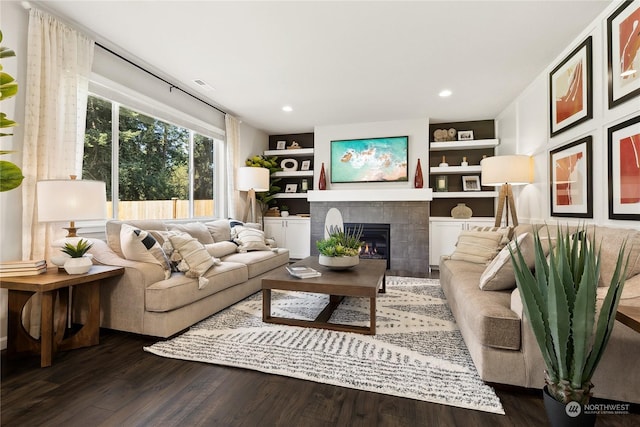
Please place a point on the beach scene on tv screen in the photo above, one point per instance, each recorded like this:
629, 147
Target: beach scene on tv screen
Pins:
369, 160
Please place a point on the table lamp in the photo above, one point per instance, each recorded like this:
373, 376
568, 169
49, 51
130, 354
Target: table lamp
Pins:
71, 200
252, 179
505, 171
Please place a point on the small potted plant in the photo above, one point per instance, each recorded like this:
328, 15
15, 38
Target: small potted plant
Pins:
80, 262
559, 299
284, 210
341, 249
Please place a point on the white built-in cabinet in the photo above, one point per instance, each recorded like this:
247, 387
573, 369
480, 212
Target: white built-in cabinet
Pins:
443, 234
292, 232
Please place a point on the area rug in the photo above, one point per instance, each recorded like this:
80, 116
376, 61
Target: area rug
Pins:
417, 352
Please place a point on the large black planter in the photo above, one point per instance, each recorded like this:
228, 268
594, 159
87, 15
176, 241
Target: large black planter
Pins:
559, 416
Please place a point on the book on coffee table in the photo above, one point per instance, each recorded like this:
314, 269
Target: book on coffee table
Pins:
303, 272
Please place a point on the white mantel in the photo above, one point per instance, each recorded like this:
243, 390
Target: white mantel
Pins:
378, 195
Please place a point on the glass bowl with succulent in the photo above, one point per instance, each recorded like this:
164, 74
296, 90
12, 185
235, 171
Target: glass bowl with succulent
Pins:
79, 262
341, 249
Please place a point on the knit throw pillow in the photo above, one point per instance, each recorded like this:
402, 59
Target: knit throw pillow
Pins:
195, 260
139, 245
478, 247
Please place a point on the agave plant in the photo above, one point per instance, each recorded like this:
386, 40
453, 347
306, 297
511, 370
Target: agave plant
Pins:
559, 300
78, 250
340, 242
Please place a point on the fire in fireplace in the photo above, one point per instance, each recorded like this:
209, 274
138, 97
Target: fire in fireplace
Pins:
376, 240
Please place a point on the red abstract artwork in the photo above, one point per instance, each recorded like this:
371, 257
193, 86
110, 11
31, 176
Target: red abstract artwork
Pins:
569, 180
629, 45
630, 169
570, 102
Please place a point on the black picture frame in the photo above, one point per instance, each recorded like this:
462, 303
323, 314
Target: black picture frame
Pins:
565, 200
623, 18
567, 83
627, 132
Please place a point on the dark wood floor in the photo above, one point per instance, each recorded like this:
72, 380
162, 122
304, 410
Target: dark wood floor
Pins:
118, 384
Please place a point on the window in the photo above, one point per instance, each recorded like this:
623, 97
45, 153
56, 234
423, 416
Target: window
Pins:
153, 169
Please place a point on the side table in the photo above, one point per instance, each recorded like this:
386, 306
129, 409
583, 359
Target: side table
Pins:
52, 334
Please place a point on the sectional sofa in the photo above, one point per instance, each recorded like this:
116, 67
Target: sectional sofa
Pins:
499, 336
151, 300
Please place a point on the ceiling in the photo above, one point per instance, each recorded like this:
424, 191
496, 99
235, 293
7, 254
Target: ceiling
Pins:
340, 62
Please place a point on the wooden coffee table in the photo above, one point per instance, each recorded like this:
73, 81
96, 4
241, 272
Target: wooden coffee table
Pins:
364, 280
630, 314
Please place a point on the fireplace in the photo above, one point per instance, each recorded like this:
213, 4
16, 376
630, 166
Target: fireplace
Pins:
376, 243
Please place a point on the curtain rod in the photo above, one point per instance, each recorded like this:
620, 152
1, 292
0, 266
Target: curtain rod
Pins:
171, 85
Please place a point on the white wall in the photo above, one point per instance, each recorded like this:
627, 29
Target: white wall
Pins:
417, 130
528, 116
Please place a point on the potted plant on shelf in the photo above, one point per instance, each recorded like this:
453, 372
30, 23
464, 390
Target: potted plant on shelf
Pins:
559, 299
80, 262
284, 210
341, 249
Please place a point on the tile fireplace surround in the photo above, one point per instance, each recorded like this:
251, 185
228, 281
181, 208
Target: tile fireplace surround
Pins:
408, 220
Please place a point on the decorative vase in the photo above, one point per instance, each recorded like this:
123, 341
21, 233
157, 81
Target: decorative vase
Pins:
338, 262
78, 265
569, 415
461, 211
322, 183
418, 181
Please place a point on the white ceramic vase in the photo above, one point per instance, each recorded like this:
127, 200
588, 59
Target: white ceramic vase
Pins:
338, 262
78, 265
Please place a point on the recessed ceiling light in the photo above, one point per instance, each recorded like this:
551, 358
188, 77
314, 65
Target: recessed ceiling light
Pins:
287, 108
628, 73
444, 93
203, 84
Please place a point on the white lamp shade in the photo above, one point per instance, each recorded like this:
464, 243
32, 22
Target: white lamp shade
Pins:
256, 179
512, 169
71, 200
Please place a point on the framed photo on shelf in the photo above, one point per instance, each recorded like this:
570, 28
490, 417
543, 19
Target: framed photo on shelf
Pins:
306, 164
291, 188
570, 178
471, 183
571, 90
281, 145
465, 135
623, 53
624, 170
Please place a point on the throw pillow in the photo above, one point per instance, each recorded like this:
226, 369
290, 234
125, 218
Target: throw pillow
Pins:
249, 239
139, 245
195, 258
499, 274
220, 249
194, 229
507, 233
219, 229
477, 246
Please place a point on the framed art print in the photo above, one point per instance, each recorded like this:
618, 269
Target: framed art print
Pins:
570, 178
624, 170
570, 90
470, 183
623, 53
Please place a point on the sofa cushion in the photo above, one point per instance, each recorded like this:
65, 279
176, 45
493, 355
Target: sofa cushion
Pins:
139, 245
195, 258
499, 274
249, 239
477, 246
219, 229
610, 240
507, 233
221, 249
179, 290
194, 229
259, 262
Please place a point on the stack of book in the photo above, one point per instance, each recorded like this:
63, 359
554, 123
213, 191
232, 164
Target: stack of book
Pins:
303, 272
22, 268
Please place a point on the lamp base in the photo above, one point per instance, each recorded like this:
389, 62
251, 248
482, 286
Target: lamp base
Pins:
506, 199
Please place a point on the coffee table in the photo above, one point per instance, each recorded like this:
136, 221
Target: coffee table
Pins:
364, 280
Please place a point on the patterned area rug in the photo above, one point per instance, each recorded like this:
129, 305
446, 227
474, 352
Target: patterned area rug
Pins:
418, 351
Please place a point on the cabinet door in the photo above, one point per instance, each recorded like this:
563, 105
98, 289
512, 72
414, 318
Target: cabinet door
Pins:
298, 237
275, 229
443, 236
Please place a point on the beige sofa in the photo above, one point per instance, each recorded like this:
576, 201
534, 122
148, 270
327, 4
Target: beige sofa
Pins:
500, 338
143, 301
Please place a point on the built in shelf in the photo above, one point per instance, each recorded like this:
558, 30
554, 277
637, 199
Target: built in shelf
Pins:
454, 169
296, 174
464, 194
296, 152
290, 196
464, 145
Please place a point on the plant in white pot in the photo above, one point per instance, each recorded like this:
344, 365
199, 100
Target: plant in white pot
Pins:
80, 262
284, 211
341, 249
559, 299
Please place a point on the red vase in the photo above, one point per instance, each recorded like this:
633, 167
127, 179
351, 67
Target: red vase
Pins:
418, 181
322, 183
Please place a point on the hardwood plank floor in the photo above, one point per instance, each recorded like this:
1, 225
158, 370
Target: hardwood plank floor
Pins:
118, 384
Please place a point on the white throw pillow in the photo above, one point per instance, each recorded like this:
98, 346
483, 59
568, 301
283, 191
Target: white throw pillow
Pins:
139, 245
195, 258
499, 274
478, 247
249, 239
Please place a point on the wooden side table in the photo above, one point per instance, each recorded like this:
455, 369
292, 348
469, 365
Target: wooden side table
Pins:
48, 285
629, 314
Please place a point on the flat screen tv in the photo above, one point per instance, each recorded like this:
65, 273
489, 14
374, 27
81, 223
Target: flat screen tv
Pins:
370, 159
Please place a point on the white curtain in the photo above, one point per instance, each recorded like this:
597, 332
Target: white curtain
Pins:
232, 130
58, 68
